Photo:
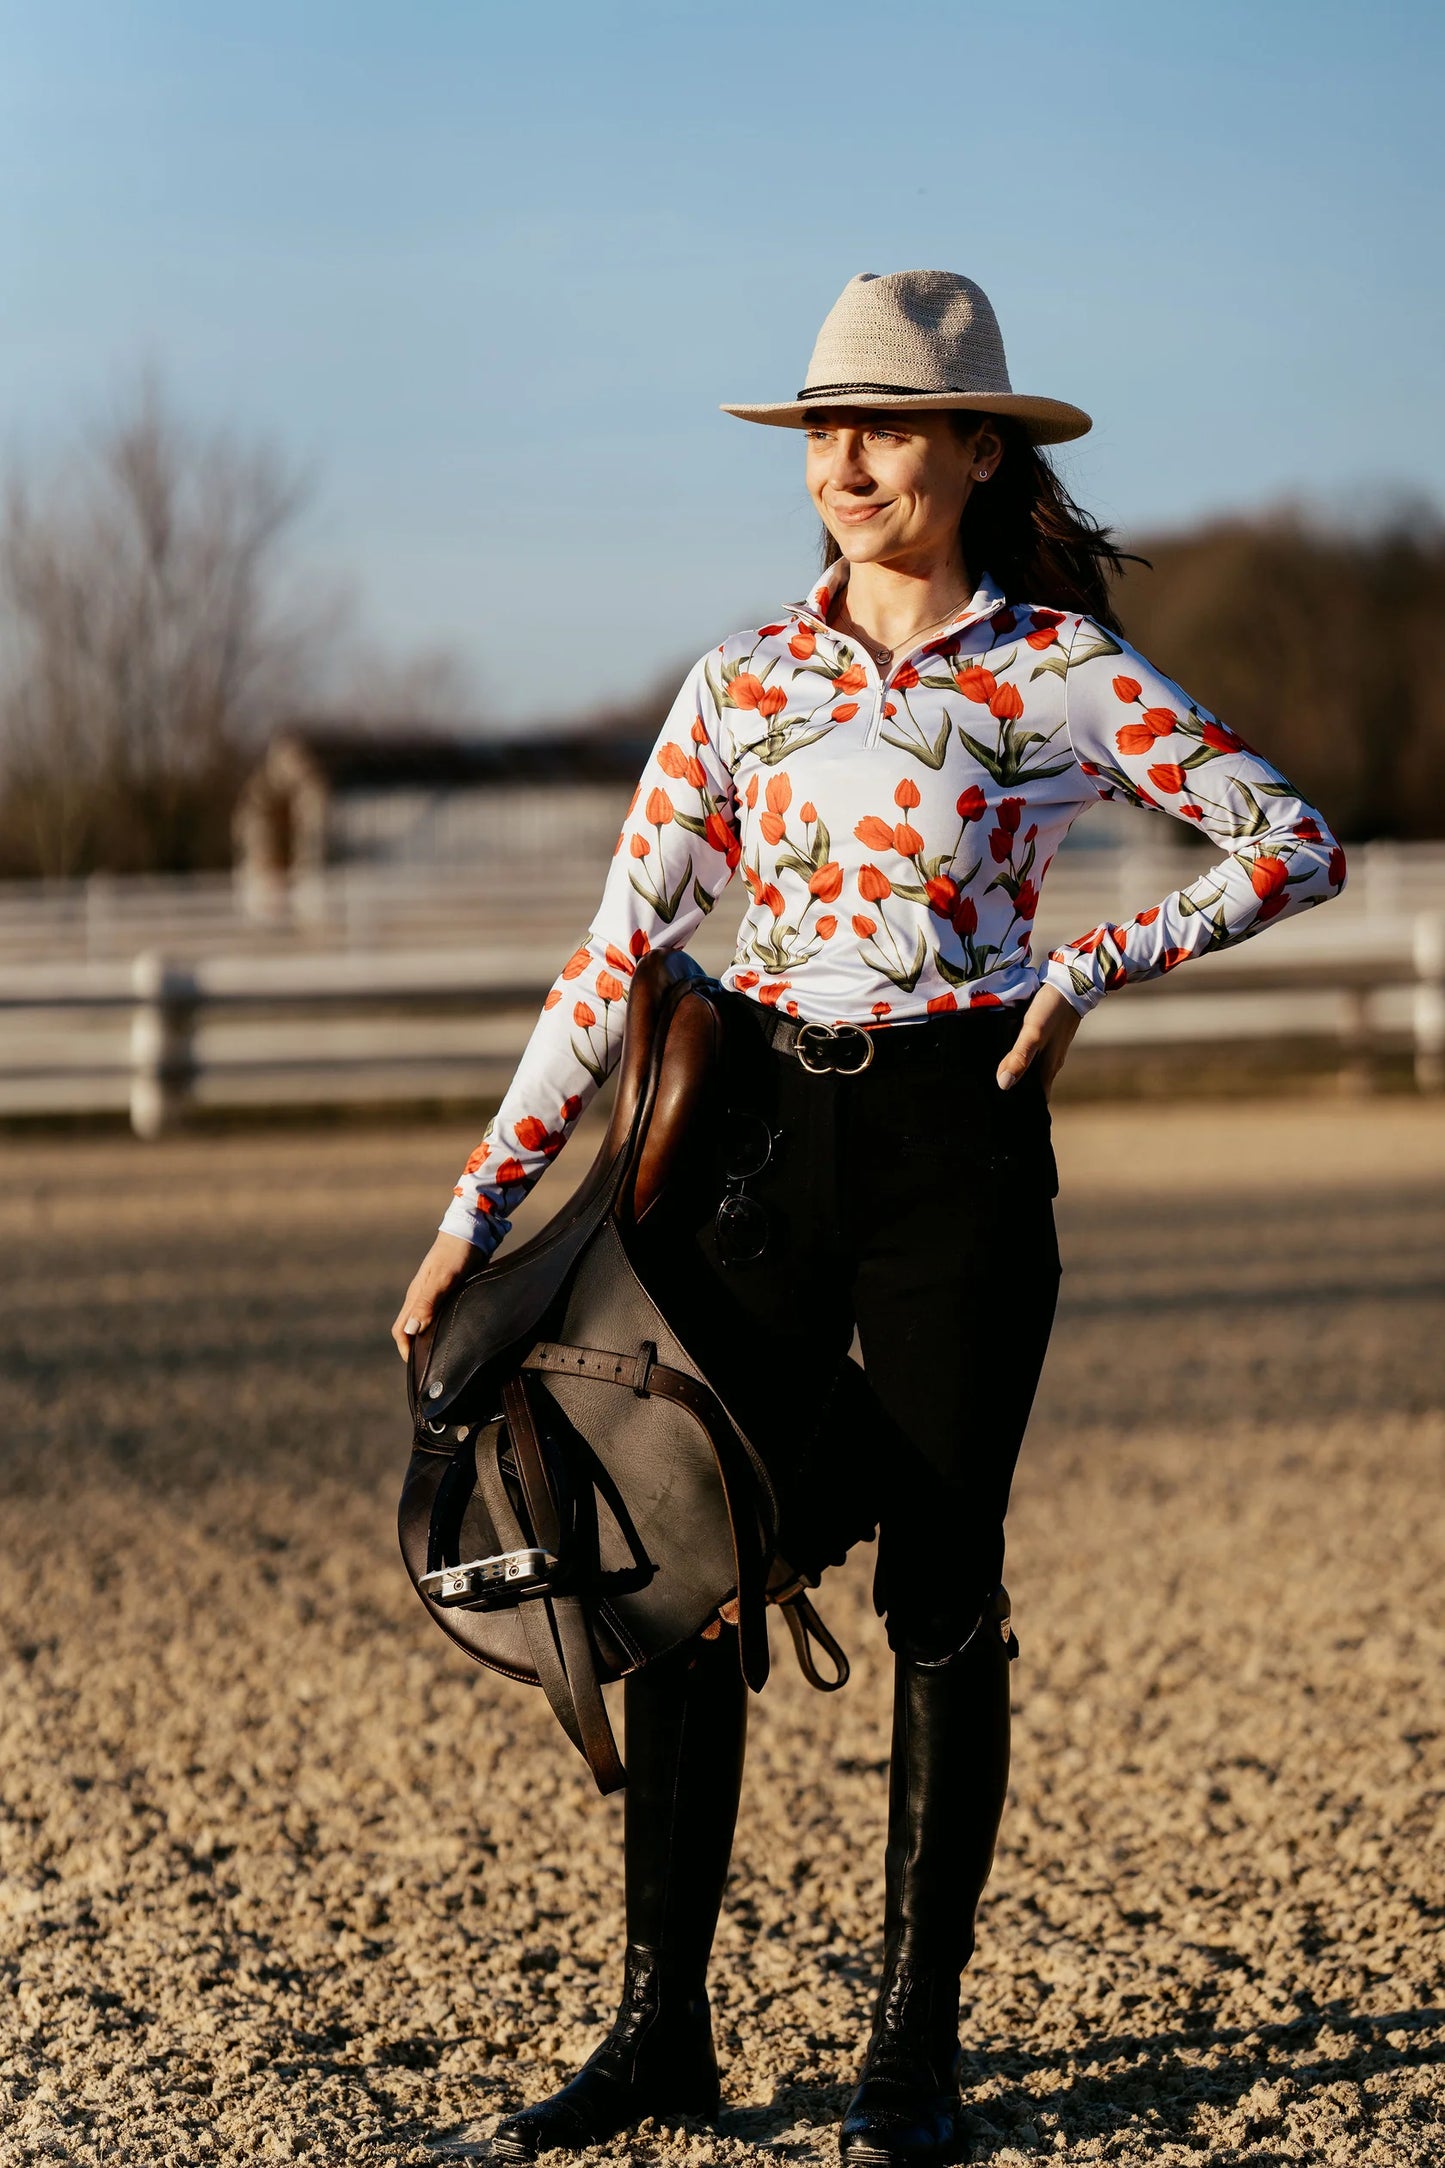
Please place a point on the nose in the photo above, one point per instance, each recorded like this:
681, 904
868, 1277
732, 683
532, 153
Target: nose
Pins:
849, 471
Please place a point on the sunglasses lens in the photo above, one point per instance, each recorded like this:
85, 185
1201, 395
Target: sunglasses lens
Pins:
742, 1230
750, 1147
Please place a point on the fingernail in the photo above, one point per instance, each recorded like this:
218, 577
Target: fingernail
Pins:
1005, 1080
413, 1324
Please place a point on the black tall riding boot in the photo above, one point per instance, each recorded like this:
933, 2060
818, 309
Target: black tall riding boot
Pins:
686, 1726
946, 1788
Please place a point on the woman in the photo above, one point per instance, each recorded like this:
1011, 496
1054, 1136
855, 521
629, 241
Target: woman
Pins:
891, 765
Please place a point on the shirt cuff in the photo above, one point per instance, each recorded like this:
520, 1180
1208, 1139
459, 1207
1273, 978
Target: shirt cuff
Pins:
483, 1230
1064, 978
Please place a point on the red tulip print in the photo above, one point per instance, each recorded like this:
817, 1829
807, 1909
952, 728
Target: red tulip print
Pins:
772, 702
827, 883
721, 837
907, 841
972, 804
873, 884
846, 713
851, 680
577, 963
941, 1004
864, 927
672, 760
1267, 876
803, 644
976, 683
907, 795
826, 928
1168, 777
1127, 689
905, 678
877, 834
659, 808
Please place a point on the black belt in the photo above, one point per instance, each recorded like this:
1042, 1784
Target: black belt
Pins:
848, 1049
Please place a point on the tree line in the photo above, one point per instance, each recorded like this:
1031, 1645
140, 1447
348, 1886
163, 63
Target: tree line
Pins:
151, 636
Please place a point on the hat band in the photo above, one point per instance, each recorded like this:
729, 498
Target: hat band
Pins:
893, 391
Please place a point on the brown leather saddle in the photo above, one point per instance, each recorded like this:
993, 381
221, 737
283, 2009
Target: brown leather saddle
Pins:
580, 1499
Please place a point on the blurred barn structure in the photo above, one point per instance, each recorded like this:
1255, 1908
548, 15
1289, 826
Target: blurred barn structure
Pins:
409, 802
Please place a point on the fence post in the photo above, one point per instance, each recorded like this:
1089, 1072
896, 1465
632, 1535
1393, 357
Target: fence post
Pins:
162, 1043
1430, 1001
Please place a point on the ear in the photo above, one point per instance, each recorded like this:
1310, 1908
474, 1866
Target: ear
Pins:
988, 450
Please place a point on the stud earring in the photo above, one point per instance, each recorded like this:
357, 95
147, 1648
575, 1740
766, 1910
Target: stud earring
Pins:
983, 474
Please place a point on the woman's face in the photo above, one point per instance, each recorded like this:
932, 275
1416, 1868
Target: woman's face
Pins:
890, 488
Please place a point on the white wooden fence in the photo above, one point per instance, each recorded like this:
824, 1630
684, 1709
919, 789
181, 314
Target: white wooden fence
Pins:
158, 1035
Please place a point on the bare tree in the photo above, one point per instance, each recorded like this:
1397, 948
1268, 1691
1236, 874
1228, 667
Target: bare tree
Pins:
142, 645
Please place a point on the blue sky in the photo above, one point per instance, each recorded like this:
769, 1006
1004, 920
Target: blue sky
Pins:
486, 271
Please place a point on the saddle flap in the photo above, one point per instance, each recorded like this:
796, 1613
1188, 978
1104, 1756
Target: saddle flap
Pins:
487, 1320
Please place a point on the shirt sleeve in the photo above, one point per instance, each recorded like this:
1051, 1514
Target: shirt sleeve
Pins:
677, 851
1137, 736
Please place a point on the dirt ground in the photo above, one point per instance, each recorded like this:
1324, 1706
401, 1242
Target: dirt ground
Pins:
285, 1878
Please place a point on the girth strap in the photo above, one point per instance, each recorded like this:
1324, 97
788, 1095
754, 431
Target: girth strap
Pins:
644, 1375
559, 1639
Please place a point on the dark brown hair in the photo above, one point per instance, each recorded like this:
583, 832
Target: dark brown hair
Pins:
1025, 530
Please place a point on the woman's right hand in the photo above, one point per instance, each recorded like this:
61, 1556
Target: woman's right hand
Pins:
442, 1265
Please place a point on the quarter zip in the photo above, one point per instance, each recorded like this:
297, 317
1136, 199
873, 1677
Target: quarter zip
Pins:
967, 618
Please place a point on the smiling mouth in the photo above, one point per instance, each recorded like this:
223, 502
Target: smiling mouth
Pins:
854, 514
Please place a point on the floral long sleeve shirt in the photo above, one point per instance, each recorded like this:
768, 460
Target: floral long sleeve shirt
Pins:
893, 830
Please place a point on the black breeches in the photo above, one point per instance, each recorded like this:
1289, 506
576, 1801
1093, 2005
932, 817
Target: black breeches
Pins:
913, 1203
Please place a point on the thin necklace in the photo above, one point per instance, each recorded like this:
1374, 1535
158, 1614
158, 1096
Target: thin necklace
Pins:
883, 656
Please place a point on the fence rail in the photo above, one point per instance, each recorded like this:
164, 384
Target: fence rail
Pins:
364, 910
158, 1035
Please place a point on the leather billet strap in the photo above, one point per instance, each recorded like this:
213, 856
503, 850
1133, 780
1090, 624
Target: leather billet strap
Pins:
644, 1375
806, 1627
559, 1639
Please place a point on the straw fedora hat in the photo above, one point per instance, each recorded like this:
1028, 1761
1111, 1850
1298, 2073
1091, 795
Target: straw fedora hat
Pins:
920, 339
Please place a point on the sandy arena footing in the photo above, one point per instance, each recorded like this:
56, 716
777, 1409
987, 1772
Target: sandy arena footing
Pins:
286, 1878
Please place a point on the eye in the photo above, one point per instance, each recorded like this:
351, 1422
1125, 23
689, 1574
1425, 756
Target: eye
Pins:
887, 436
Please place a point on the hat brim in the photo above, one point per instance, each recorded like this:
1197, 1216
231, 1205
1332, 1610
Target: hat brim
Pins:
1048, 421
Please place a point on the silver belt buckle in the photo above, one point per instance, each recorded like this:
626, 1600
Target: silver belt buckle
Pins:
816, 1047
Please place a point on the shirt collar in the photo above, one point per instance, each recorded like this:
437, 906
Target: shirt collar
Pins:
987, 597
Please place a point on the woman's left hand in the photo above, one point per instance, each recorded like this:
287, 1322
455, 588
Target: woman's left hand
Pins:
1044, 1039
